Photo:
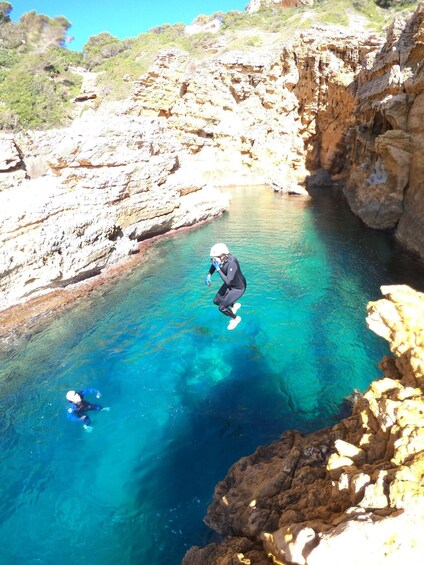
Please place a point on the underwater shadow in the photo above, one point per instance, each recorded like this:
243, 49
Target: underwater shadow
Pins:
233, 418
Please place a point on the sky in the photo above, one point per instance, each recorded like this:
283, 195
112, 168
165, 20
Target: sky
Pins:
121, 18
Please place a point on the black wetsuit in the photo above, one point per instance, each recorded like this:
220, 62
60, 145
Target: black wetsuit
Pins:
233, 288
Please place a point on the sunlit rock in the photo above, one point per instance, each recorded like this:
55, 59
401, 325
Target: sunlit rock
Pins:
111, 182
11, 164
351, 493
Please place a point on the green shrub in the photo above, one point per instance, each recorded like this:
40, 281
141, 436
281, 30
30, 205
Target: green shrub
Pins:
8, 58
101, 47
395, 3
43, 31
112, 80
5, 9
37, 91
202, 19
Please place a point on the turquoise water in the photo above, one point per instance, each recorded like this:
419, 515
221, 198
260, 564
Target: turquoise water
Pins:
188, 398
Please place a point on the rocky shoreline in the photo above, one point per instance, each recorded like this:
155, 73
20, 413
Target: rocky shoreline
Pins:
20, 321
110, 183
353, 493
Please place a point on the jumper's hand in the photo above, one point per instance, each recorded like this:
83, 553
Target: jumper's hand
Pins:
208, 279
216, 265
98, 395
87, 428
105, 409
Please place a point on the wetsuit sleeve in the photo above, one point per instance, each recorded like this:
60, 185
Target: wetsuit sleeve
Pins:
212, 270
85, 391
231, 272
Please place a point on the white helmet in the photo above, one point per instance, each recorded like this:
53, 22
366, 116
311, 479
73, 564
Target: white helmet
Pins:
219, 249
71, 395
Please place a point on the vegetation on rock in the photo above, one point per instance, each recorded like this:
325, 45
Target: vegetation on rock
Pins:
40, 76
36, 83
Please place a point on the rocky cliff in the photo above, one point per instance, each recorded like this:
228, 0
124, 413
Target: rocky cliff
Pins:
349, 494
384, 186
80, 199
332, 100
76, 200
268, 116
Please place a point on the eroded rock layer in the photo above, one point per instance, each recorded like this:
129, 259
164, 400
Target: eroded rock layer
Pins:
353, 493
268, 117
97, 189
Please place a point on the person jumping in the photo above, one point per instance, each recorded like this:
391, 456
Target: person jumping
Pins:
234, 285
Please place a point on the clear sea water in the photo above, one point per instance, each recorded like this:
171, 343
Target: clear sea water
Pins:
188, 398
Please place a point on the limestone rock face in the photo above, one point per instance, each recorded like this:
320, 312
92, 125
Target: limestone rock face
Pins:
328, 61
261, 117
385, 182
350, 103
11, 165
353, 493
111, 181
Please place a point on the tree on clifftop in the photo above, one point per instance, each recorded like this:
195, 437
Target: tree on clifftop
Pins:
100, 47
42, 31
5, 9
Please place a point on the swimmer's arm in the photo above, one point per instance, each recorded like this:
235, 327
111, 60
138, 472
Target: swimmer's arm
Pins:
91, 391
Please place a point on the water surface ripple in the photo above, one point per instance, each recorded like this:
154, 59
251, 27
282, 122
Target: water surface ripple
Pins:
188, 398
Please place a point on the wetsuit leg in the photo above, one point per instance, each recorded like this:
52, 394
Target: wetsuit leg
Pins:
85, 419
220, 295
228, 300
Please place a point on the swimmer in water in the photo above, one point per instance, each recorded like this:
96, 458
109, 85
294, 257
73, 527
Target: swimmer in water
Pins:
77, 411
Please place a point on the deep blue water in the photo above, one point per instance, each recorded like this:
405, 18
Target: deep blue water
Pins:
188, 398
